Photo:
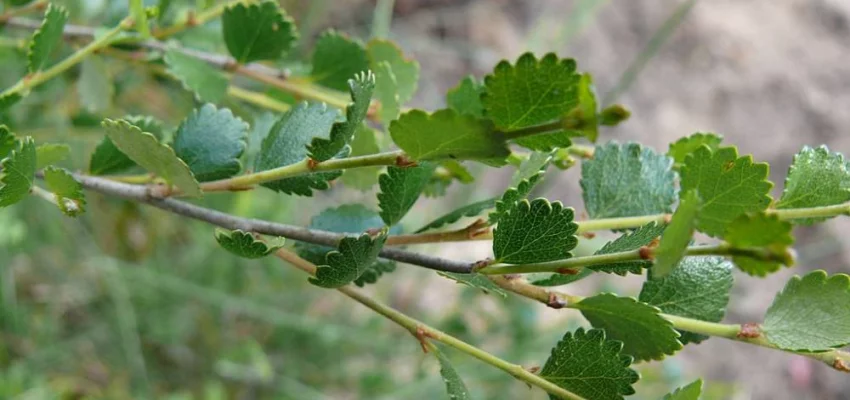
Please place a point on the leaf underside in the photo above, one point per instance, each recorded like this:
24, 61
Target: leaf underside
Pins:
244, 244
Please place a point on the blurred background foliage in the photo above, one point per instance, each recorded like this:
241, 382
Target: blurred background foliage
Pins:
128, 302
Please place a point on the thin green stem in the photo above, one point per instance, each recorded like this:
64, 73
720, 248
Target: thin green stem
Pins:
39, 77
299, 89
811, 212
303, 167
424, 332
15, 12
258, 99
534, 130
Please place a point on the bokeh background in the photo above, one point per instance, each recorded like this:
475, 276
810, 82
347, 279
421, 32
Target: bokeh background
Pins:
128, 302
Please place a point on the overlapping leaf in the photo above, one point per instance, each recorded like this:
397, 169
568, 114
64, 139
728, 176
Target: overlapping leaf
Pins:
400, 188
590, 365
455, 387
386, 91
691, 391
469, 210
18, 172
535, 231
107, 159
532, 92
45, 39
514, 195
207, 83
361, 88
697, 288
244, 244
254, 32
210, 141
811, 313
477, 281
761, 231
643, 236
465, 98
677, 236
51, 153
145, 150
286, 144
624, 180
337, 58
7, 141
69, 193
816, 178
727, 184
644, 333
447, 134
8, 100
680, 149
95, 87
405, 70
365, 142
352, 259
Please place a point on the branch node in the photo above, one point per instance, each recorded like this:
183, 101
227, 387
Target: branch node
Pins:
230, 65
588, 235
567, 271
159, 191
404, 161
191, 19
750, 330
422, 336
535, 369
667, 219
312, 164
477, 228
556, 301
646, 253
481, 264
841, 365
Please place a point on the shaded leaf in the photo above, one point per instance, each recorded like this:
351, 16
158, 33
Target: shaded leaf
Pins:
69, 192
50, 153
405, 70
761, 231
816, 178
286, 144
625, 180
584, 118
455, 387
535, 232
18, 172
811, 313
697, 288
677, 236
446, 134
469, 210
465, 98
365, 142
8, 100
532, 92
680, 149
244, 244
202, 79
591, 366
727, 184
559, 279
691, 391
7, 141
256, 32
386, 91
644, 333
145, 150
95, 87
354, 257
477, 281
643, 236
210, 141
361, 88
400, 188
337, 58
45, 39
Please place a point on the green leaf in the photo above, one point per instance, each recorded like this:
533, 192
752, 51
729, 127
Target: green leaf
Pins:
585, 117
287, 142
140, 18
514, 195
447, 134
8, 100
469, 210
532, 92
644, 333
677, 236
816, 178
559, 279
244, 244
354, 257
465, 98
69, 192
337, 58
7, 141
591, 366
95, 87
361, 88
454, 384
727, 184
18, 172
537, 162
365, 142
211, 141
51, 153
107, 159
386, 91
405, 70
626, 180
698, 288
258, 31
45, 39
477, 281
145, 150
400, 188
535, 232
690, 392
207, 83
349, 219
683, 147
810, 314
643, 236
761, 231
